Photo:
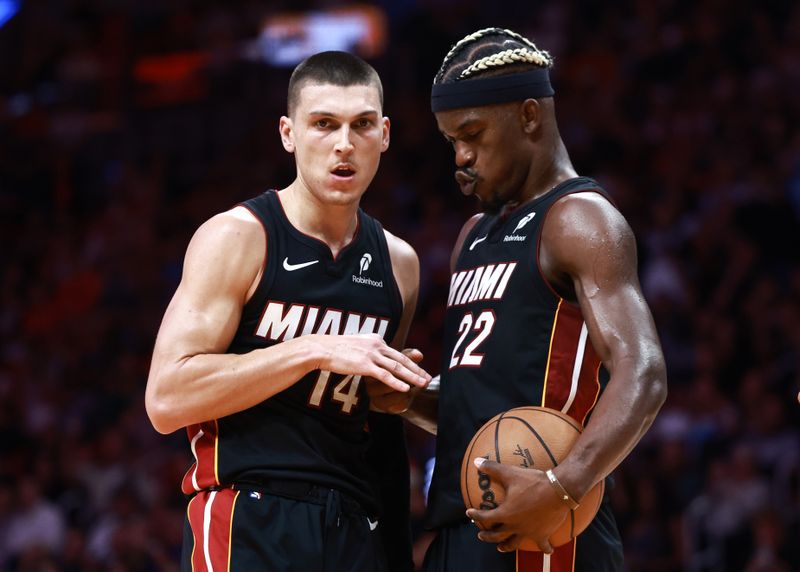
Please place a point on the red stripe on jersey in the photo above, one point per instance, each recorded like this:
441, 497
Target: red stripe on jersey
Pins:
565, 343
211, 521
204, 440
561, 560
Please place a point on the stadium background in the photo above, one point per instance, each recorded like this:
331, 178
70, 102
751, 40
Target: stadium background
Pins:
124, 125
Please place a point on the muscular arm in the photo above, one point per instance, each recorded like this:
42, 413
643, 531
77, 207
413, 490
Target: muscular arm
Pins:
191, 378
588, 254
589, 249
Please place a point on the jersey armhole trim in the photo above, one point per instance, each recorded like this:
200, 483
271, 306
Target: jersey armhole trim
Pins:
262, 281
395, 298
540, 231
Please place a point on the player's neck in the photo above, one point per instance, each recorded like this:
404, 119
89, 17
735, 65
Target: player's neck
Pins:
333, 224
545, 177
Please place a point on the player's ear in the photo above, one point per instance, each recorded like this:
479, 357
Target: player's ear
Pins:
530, 115
286, 129
385, 136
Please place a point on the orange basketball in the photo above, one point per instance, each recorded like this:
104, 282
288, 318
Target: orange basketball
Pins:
530, 437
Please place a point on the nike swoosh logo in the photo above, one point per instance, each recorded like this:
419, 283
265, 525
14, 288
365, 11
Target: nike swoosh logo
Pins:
372, 525
476, 241
292, 267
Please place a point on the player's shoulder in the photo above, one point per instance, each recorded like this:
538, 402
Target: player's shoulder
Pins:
401, 252
594, 197
236, 224
232, 237
584, 230
585, 212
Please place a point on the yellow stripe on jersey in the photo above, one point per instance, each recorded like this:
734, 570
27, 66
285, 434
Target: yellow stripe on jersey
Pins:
550, 353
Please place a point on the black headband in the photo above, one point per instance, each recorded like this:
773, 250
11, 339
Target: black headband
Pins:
485, 91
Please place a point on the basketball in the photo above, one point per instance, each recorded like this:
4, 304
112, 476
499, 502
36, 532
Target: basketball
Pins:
529, 437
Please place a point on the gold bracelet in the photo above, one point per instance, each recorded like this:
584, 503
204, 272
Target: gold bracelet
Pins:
561, 491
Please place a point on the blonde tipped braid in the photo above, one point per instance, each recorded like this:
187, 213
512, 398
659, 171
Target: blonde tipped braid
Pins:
467, 39
531, 54
519, 55
461, 43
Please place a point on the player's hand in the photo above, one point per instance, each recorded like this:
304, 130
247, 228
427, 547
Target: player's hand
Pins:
530, 510
388, 400
369, 355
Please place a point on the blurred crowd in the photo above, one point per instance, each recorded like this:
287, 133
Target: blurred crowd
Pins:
124, 125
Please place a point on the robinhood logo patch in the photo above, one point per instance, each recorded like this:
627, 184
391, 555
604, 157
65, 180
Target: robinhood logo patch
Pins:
366, 260
363, 266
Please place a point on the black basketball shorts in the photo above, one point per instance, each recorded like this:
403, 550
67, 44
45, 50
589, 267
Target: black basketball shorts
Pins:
248, 530
596, 549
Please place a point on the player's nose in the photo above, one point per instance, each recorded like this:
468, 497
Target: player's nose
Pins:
465, 156
344, 141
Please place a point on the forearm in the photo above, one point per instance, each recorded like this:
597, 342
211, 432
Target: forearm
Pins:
622, 416
201, 387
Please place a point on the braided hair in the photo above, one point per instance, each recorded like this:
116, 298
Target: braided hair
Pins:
488, 52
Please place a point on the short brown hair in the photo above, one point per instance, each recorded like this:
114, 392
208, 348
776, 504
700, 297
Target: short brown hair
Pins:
337, 68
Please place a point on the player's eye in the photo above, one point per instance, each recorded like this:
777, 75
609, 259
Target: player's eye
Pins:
322, 123
363, 123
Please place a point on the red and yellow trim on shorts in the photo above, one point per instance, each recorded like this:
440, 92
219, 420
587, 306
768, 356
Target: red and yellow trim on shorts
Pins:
210, 515
204, 442
561, 560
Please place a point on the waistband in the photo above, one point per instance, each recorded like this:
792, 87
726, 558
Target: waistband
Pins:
300, 491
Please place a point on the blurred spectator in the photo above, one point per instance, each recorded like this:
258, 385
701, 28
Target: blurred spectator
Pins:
35, 529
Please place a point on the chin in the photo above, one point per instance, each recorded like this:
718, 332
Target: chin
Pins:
342, 197
492, 206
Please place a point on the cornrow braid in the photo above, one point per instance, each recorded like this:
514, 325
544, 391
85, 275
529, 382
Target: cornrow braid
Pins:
520, 55
459, 45
477, 60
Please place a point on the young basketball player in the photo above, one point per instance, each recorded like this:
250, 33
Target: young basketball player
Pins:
545, 308
286, 304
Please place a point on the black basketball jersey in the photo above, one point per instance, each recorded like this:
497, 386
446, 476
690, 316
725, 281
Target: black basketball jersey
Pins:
509, 341
314, 431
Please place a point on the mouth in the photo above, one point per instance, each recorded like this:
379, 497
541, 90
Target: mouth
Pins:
344, 171
466, 182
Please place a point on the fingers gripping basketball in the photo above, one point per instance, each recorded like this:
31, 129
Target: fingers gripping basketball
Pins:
528, 437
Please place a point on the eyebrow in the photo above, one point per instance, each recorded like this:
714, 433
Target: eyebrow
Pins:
461, 127
466, 123
322, 112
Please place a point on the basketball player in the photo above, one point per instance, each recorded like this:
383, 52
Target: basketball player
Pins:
544, 308
286, 304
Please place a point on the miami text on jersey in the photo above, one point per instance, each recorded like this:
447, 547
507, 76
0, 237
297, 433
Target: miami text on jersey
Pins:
482, 283
280, 323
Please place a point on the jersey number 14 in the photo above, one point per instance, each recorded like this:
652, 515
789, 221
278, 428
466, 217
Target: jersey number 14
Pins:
344, 392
